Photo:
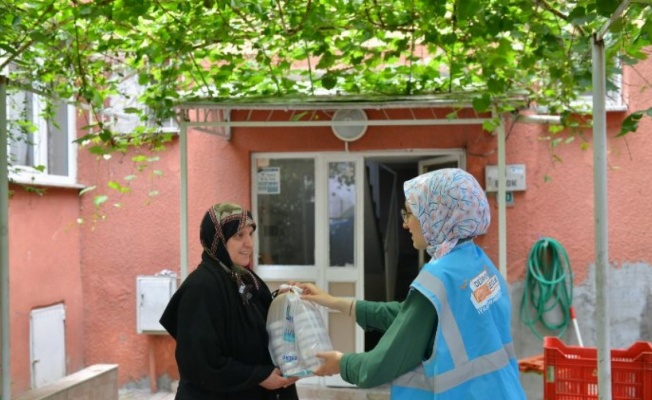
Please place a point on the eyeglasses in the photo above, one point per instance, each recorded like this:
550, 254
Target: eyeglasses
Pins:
405, 214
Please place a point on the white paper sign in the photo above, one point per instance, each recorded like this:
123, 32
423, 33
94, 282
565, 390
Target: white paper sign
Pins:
269, 180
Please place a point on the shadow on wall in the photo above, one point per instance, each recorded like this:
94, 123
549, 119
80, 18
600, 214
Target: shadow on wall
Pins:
646, 320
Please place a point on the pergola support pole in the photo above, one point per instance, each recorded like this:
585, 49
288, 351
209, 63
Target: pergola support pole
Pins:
183, 160
601, 216
501, 195
4, 243
601, 209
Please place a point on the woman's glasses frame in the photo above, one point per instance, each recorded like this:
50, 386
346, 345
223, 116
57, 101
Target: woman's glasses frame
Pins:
405, 214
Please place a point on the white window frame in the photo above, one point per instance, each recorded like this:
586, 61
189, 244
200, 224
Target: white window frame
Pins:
29, 175
614, 99
123, 123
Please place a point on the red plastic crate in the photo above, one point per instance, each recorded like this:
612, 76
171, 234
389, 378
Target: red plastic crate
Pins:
571, 372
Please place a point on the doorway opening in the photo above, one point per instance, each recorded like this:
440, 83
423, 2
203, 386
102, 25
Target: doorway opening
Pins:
391, 262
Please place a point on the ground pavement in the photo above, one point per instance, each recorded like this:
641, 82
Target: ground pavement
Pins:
143, 394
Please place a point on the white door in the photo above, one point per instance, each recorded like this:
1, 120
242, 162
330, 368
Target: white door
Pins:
47, 344
307, 207
344, 230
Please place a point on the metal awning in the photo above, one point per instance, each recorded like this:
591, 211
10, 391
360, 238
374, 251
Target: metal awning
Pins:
318, 102
214, 116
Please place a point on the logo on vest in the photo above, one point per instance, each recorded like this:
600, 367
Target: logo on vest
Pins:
485, 290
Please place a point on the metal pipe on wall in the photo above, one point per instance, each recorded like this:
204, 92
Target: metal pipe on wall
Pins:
388, 122
539, 119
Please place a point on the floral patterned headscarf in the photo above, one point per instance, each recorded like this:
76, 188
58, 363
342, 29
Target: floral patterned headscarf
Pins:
450, 205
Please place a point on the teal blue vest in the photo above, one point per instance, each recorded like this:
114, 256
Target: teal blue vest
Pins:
473, 354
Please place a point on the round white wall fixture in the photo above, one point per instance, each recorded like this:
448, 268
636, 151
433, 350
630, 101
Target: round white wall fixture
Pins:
349, 133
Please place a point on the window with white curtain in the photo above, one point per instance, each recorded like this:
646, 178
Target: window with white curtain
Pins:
40, 139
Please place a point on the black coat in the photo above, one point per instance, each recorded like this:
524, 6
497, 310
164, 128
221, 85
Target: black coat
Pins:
221, 344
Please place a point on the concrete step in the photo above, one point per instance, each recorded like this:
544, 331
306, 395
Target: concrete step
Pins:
315, 392
306, 392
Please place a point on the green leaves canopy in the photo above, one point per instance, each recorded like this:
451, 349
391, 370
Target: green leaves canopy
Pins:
217, 49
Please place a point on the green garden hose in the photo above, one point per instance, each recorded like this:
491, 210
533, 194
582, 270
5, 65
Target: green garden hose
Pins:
548, 292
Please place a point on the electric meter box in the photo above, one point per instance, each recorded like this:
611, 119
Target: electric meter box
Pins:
153, 294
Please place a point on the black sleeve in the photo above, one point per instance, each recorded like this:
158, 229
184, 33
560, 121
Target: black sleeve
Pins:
200, 353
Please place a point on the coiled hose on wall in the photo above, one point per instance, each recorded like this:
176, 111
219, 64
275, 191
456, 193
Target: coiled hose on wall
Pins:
548, 293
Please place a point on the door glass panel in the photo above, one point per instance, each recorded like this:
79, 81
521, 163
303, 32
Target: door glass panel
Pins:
341, 327
341, 212
286, 211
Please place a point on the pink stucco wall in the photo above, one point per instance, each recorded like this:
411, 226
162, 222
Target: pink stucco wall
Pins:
44, 269
141, 238
135, 234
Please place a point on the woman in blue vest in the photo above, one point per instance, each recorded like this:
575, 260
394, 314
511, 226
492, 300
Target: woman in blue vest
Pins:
450, 338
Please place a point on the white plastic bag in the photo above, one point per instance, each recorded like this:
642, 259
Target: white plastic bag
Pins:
296, 334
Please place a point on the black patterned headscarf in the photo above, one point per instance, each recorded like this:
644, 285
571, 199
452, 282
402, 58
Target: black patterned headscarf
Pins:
222, 221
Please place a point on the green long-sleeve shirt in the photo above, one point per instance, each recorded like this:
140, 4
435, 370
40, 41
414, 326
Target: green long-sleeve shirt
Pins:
409, 328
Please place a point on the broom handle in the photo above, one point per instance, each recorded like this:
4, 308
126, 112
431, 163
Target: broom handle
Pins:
577, 328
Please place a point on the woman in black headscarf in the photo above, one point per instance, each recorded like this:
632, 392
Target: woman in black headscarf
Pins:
218, 316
